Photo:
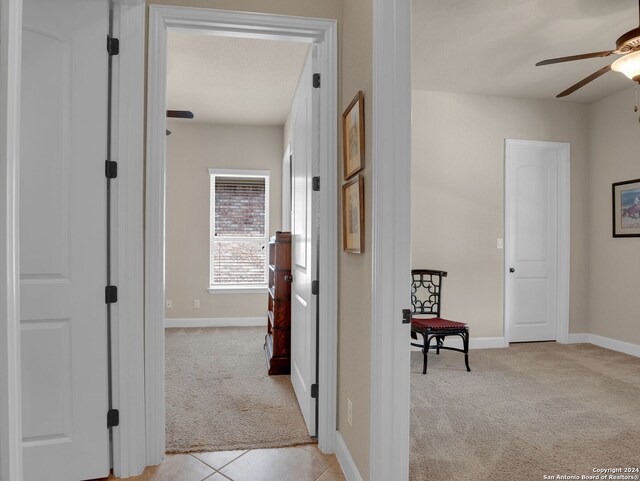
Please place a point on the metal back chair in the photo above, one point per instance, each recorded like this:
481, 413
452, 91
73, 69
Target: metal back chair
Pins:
426, 300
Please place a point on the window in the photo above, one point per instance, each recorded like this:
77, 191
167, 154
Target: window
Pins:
239, 227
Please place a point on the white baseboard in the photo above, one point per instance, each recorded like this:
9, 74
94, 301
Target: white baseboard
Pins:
346, 461
606, 342
487, 343
217, 322
580, 338
615, 345
474, 342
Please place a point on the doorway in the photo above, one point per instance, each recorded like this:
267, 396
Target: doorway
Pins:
320, 34
537, 229
232, 108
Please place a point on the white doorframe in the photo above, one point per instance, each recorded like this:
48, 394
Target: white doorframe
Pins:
127, 315
564, 230
286, 189
263, 26
389, 442
10, 392
130, 18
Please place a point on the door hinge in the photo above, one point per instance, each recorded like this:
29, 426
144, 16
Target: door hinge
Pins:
315, 287
110, 169
316, 80
406, 316
314, 391
113, 45
110, 294
113, 418
315, 184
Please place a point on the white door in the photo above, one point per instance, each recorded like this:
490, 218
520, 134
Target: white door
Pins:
304, 248
63, 240
531, 256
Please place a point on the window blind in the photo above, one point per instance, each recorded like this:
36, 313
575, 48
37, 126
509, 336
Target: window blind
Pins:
239, 230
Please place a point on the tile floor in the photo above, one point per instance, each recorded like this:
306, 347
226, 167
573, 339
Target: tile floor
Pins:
298, 463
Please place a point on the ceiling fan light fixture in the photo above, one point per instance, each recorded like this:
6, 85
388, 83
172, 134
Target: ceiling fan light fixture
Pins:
628, 65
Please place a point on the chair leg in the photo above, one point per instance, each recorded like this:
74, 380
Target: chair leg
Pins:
439, 342
466, 350
425, 351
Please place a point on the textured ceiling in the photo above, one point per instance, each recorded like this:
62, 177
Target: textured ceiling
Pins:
232, 80
490, 47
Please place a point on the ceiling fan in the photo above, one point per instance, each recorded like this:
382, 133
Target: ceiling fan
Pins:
178, 114
627, 45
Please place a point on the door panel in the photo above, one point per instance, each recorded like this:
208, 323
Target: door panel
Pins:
63, 240
303, 303
45, 53
532, 289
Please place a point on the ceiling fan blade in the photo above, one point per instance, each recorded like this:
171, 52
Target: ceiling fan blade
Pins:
605, 53
180, 114
584, 81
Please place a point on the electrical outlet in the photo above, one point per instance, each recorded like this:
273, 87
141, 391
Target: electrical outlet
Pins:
500, 244
169, 304
349, 413
196, 303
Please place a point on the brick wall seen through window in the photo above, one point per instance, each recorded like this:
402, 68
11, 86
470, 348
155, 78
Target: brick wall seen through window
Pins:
239, 228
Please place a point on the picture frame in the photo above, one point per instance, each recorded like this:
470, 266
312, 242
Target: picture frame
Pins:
626, 208
353, 215
353, 136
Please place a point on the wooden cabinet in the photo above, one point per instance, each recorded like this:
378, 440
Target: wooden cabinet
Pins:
277, 345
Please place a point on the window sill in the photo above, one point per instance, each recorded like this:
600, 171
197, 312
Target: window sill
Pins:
238, 290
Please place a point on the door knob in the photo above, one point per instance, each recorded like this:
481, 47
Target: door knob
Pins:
511, 269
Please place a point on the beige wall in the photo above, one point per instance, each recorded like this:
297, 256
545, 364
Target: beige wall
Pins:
458, 189
614, 148
355, 47
191, 150
355, 273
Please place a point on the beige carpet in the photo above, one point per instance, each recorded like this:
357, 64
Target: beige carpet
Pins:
523, 412
219, 397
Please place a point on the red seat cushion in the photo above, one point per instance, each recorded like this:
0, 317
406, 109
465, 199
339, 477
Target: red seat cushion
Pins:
436, 323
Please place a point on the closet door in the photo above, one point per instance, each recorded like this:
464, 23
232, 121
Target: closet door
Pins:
63, 240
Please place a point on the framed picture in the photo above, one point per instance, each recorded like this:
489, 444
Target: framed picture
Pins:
626, 208
353, 215
353, 136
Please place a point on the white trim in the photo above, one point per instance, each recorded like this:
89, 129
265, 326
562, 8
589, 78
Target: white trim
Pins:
391, 234
564, 243
129, 457
213, 237
615, 345
238, 289
154, 238
474, 343
216, 322
487, 343
564, 232
286, 189
10, 390
349, 468
218, 22
327, 63
239, 172
580, 338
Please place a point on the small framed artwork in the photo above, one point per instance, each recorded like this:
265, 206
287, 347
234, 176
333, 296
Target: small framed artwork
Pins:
353, 215
626, 208
353, 136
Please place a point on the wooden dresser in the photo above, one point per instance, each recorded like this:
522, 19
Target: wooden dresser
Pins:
277, 344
